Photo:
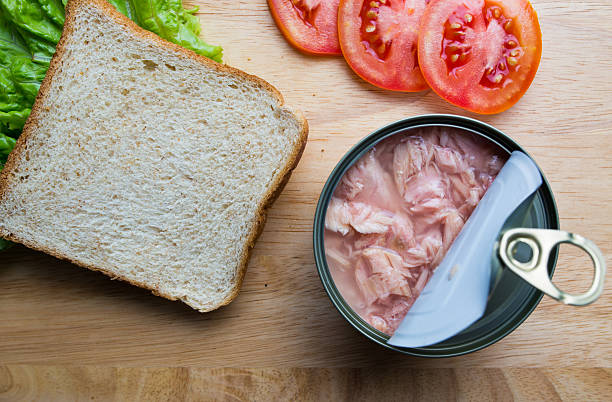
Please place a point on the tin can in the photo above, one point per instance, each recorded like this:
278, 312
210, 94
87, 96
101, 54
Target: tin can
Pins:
511, 301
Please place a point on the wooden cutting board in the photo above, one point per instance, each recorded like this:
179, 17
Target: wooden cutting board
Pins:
54, 312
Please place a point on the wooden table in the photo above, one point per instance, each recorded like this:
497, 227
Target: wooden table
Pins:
53, 383
52, 312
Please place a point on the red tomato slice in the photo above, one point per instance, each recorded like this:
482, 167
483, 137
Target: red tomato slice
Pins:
480, 55
309, 25
379, 41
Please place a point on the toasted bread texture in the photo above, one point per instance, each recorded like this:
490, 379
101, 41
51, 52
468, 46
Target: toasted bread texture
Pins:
147, 162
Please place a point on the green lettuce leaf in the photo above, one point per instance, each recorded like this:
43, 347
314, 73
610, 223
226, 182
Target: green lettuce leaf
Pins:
27, 77
171, 21
54, 9
14, 120
6, 146
29, 16
190, 20
126, 8
40, 51
20, 78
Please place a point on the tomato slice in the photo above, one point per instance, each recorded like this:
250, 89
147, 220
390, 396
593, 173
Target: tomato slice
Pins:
379, 41
309, 25
480, 55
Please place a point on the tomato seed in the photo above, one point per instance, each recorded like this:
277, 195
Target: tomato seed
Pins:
508, 25
455, 25
370, 28
497, 13
454, 58
468, 18
511, 44
512, 61
501, 66
371, 14
374, 4
514, 53
498, 78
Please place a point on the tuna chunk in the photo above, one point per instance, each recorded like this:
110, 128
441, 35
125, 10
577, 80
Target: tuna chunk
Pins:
369, 288
367, 219
416, 257
387, 314
385, 276
383, 261
369, 240
353, 182
422, 281
366, 176
432, 244
468, 146
472, 200
460, 190
402, 231
494, 165
338, 217
426, 253
339, 259
364, 218
449, 160
424, 186
453, 222
409, 158
432, 206
379, 323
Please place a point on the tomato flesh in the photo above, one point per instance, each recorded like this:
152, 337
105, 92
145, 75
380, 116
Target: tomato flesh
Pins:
379, 41
309, 25
374, 43
480, 55
501, 72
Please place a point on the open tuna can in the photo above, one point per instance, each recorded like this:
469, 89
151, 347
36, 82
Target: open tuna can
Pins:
412, 219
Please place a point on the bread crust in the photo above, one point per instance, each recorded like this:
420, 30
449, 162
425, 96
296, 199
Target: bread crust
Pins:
33, 121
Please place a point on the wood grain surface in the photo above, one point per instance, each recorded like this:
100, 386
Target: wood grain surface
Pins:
53, 383
52, 312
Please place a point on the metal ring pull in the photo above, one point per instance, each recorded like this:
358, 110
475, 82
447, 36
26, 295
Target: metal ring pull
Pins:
535, 269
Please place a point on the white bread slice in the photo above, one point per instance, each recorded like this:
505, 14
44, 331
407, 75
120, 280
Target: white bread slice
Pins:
148, 162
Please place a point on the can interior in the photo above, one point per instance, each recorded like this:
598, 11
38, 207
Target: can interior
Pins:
511, 300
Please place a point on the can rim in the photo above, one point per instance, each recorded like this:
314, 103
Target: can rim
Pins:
354, 154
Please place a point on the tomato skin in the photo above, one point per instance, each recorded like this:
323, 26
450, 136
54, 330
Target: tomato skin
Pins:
397, 67
469, 86
315, 35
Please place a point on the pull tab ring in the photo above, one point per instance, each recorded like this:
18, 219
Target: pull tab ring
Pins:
535, 270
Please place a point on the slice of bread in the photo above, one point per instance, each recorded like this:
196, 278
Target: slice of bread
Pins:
148, 162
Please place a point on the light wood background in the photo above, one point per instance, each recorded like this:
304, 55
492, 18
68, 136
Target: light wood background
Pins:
53, 383
52, 312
